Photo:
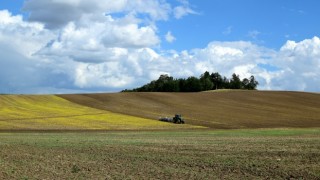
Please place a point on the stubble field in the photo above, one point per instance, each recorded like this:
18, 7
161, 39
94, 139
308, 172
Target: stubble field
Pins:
223, 154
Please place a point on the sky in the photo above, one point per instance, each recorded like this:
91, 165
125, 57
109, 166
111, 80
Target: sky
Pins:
80, 46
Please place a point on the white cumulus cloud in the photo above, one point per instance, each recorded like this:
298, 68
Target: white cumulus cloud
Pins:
300, 65
77, 45
57, 13
169, 37
183, 10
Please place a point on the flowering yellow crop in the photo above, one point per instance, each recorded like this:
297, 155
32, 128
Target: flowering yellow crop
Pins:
52, 112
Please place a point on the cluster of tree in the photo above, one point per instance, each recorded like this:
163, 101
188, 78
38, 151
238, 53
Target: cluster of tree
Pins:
206, 82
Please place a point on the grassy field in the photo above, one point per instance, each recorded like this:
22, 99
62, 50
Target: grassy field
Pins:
219, 154
216, 109
49, 112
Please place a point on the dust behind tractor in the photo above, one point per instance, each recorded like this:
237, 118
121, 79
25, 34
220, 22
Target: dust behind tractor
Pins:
177, 119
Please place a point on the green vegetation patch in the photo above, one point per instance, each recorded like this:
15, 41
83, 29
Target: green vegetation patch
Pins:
268, 132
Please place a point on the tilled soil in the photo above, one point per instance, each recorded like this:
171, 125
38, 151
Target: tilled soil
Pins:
217, 110
159, 155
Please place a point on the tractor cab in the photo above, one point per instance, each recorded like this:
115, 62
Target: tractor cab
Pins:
178, 119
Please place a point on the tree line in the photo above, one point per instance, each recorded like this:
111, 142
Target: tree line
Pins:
206, 82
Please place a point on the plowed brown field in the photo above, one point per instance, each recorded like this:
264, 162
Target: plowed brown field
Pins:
218, 110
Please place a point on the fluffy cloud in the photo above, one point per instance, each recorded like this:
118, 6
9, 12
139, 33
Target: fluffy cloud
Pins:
57, 13
229, 57
104, 40
169, 37
183, 10
294, 67
90, 49
18, 41
15, 32
299, 64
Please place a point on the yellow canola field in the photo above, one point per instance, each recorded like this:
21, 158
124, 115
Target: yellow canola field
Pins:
49, 112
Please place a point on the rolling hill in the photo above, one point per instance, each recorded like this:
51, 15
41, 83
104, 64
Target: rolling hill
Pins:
217, 109
49, 112
135, 111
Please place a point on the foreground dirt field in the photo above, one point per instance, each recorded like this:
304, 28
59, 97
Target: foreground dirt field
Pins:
219, 110
229, 154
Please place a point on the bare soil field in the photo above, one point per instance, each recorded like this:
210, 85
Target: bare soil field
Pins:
215, 154
217, 110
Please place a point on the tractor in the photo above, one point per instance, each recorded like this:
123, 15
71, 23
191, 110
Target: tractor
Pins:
177, 119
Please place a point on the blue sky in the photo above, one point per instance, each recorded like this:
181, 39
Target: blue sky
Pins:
269, 23
61, 46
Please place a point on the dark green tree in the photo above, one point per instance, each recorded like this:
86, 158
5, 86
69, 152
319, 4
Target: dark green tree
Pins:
217, 80
166, 83
235, 82
193, 84
206, 83
225, 83
245, 83
253, 83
